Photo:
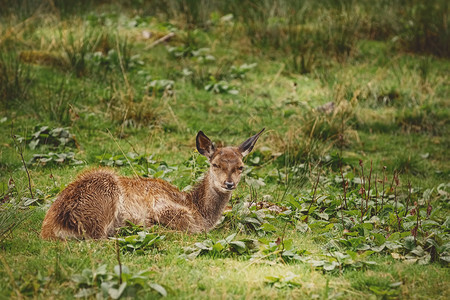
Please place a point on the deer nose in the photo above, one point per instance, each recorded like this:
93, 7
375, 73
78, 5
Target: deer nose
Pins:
229, 185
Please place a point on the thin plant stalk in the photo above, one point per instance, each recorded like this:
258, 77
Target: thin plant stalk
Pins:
376, 194
342, 214
429, 208
368, 189
409, 198
416, 228
362, 191
384, 181
344, 186
20, 149
395, 179
314, 193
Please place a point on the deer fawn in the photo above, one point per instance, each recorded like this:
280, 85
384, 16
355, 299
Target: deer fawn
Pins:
99, 201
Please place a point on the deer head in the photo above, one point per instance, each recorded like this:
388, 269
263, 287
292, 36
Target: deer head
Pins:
226, 163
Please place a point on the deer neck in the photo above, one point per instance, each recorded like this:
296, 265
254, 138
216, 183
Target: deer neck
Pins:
209, 202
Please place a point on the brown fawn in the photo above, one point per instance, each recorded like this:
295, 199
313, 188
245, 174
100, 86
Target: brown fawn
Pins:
99, 201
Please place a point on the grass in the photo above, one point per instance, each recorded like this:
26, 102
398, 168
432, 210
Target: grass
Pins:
93, 74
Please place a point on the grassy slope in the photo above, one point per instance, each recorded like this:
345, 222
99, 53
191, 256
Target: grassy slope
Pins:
374, 131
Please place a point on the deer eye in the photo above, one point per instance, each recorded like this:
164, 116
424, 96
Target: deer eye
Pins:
215, 166
241, 168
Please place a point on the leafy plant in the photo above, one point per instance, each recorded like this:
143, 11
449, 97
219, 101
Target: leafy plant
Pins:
241, 71
247, 218
220, 248
52, 158
180, 51
203, 55
111, 60
220, 87
196, 165
160, 87
135, 239
290, 280
343, 261
280, 248
120, 283
54, 137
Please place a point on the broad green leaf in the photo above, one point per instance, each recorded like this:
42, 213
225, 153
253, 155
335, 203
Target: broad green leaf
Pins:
230, 237
429, 223
323, 215
392, 245
330, 266
366, 254
125, 270
445, 258
203, 246
85, 293
378, 248
409, 243
101, 270
33, 144
295, 203
394, 237
193, 254
378, 238
434, 244
116, 293
160, 289
218, 247
353, 213
158, 174
302, 227
362, 247
272, 278
239, 246
352, 254
351, 233
267, 227
288, 244
418, 251
252, 220
368, 226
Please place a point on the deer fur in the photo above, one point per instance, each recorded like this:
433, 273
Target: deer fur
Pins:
99, 200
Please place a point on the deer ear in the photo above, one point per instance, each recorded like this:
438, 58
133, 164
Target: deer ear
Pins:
204, 145
247, 146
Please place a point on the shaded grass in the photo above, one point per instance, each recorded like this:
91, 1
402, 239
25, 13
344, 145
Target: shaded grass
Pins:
43, 268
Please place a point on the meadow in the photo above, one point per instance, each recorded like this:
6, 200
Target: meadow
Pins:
345, 196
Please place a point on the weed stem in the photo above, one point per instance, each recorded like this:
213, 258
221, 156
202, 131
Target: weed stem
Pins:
20, 149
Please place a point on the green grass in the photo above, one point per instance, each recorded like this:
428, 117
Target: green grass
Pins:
90, 69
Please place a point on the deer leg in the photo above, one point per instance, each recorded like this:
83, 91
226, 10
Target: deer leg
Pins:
179, 217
